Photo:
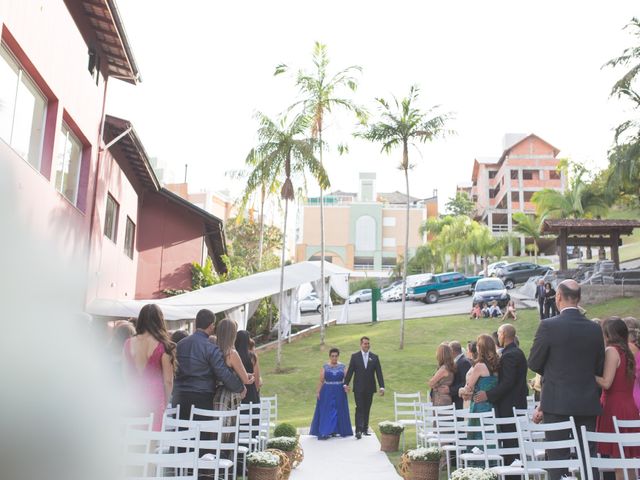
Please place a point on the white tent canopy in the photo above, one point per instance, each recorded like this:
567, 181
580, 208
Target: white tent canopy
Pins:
243, 293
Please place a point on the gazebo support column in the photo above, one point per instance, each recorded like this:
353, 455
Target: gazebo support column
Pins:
562, 246
615, 254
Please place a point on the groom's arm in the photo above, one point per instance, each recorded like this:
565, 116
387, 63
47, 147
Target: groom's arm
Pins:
347, 378
379, 375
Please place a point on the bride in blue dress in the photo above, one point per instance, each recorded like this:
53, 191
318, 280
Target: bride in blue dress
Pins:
332, 408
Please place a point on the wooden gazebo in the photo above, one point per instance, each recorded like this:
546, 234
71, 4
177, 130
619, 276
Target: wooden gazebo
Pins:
589, 233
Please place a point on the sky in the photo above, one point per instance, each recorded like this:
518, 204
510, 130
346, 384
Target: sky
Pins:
496, 66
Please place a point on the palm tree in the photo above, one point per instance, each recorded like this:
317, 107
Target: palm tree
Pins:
529, 226
402, 124
284, 152
454, 235
482, 243
319, 98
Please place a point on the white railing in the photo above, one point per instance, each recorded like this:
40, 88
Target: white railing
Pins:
499, 228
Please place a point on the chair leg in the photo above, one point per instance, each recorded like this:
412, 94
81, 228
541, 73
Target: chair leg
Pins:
448, 455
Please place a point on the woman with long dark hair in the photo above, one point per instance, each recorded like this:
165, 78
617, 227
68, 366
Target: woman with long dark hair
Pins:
149, 363
251, 365
633, 325
617, 382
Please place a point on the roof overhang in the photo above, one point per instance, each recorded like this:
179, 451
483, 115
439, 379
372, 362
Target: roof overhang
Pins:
107, 33
589, 227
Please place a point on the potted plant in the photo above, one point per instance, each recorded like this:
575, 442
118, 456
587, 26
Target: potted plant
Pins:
424, 463
390, 435
288, 445
473, 474
263, 466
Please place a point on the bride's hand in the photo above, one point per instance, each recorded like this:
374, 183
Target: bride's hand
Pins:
252, 378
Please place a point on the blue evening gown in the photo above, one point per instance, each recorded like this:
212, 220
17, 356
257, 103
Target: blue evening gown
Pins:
332, 408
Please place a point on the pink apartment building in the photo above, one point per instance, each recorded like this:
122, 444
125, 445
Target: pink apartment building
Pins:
83, 183
503, 185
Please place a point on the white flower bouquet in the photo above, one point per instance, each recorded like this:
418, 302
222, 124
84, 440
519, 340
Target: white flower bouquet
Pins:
391, 428
430, 454
285, 444
263, 459
473, 474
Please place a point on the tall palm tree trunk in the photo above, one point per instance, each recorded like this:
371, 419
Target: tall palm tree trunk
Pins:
322, 286
406, 257
280, 309
261, 241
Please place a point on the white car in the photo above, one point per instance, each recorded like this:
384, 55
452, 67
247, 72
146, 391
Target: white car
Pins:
492, 267
393, 295
310, 303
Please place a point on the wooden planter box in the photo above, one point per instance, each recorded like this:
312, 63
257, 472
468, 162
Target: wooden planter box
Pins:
389, 442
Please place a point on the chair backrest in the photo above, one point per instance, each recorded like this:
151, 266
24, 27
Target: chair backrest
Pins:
495, 434
222, 425
170, 412
265, 418
621, 425
273, 408
530, 448
470, 429
137, 423
249, 423
405, 405
619, 440
165, 456
444, 427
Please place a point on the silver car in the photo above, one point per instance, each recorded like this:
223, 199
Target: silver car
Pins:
358, 296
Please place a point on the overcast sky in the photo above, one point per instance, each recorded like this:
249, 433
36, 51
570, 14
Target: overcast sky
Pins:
499, 66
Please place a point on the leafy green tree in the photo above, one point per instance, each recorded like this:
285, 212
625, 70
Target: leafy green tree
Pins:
624, 157
254, 245
529, 226
321, 94
482, 243
402, 124
461, 204
425, 260
285, 151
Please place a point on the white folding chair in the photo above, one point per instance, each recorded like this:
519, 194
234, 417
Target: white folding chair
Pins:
496, 436
137, 423
249, 430
471, 441
406, 410
265, 423
620, 425
172, 413
273, 409
184, 461
534, 463
620, 440
443, 431
222, 426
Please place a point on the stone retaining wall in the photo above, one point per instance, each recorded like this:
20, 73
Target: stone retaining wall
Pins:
601, 293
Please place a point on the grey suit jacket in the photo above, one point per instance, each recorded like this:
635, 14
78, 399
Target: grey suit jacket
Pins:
568, 351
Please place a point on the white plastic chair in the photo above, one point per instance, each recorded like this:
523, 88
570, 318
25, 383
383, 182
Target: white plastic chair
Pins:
265, 423
222, 426
185, 463
406, 410
620, 425
443, 431
620, 440
537, 465
273, 409
249, 430
470, 438
494, 436
172, 413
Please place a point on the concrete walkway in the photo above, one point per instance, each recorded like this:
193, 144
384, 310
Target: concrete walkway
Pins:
345, 459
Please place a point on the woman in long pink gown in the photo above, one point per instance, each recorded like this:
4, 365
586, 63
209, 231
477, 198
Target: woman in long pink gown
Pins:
149, 364
633, 325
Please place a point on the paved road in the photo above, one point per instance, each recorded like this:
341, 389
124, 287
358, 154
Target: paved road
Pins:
361, 312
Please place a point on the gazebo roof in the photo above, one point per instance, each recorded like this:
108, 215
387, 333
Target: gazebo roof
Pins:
589, 226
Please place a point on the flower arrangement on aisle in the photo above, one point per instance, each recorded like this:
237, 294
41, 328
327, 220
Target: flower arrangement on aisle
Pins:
421, 463
289, 446
263, 466
390, 435
473, 474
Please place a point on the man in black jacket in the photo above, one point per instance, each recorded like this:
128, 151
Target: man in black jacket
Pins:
568, 351
365, 368
200, 366
512, 389
460, 378
540, 294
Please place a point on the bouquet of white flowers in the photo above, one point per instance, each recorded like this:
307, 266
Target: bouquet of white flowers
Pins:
391, 428
473, 474
430, 454
263, 459
285, 444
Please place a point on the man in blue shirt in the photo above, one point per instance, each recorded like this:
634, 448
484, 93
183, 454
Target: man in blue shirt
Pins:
200, 366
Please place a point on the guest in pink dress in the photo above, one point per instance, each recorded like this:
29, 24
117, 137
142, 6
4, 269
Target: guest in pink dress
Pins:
633, 325
149, 364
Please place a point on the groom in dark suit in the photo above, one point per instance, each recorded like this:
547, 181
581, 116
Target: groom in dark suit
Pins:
568, 351
365, 367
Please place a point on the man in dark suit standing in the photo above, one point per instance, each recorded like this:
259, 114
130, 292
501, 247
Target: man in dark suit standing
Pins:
568, 351
512, 389
460, 378
540, 293
365, 368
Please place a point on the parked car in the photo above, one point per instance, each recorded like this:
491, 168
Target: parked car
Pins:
442, 284
492, 267
520, 272
394, 294
489, 289
360, 296
310, 303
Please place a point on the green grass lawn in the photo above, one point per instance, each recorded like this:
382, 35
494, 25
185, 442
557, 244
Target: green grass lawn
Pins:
404, 370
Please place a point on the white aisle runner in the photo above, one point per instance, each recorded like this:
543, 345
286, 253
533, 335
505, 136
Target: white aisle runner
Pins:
343, 459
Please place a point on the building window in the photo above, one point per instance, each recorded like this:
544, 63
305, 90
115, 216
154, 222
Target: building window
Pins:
492, 193
515, 196
389, 221
528, 196
365, 234
129, 238
22, 110
554, 175
389, 242
111, 219
527, 174
68, 161
492, 173
514, 174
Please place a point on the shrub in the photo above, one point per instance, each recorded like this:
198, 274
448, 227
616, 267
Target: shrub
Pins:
285, 430
286, 444
431, 454
473, 474
362, 284
391, 428
263, 459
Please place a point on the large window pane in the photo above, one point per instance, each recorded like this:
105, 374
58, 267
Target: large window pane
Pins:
8, 86
111, 218
129, 237
67, 166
